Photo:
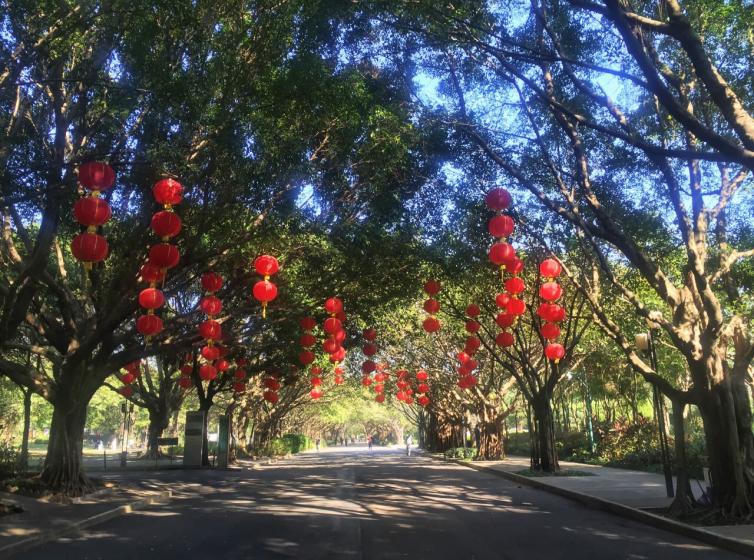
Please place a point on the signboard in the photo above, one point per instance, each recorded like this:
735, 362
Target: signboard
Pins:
167, 441
223, 438
192, 447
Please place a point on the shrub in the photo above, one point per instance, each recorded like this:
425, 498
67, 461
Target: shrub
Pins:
630, 444
288, 444
8, 460
518, 444
463, 453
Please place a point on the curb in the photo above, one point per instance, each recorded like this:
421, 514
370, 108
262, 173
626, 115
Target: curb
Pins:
21, 546
657, 521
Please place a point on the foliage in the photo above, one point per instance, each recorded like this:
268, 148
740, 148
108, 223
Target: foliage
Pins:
8, 460
289, 444
629, 444
462, 453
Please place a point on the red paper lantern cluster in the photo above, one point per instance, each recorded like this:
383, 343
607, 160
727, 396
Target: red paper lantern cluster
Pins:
92, 212
133, 372
405, 392
271, 386
466, 368
379, 378
369, 366
185, 381
431, 324
211, 329
265, 291
422, 388
550, 312
333, 327
500, 226
306, 357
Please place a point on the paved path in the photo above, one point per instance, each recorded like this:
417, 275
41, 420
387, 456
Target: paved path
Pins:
348, 503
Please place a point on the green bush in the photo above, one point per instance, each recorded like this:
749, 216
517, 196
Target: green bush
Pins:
8, 460
288, 444
518, 444
463, 453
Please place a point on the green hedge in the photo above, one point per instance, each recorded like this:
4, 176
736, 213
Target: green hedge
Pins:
464, 453
287, 445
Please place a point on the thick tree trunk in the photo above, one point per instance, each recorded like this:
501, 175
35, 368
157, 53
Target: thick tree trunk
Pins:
23, 458
158, 423
490, 442
63, 468
684, 498
548, 456
728, 440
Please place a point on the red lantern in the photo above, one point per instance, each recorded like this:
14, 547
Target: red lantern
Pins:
271, 383
149, 325
211, 282
366, 381
96, 176
338, 356
330, 346
166, 224
340, 336
307, 340
211, 305
558, 314
222, 365
315, 394
239, 374
307, 323
423, 388
210, 353
332, 325
498, 199
431, 324
550, 268
423, 400
341, 316
473, 342
432, 287
500, 226
379, 387
369, 349
185, 382
265, 291
515, 285
306, 357
338, 380
550, 291
316, 381
89, 248
504, 339
151, 298
462, 357
127, 391
516, 266
550, 331
270, 397
239, 386
91, 211
516, 306
380, 398
368, 366
502, 300
369, 334
333, 305
164, 255
431, 306
501, 253
505, 320
422, 375
127, 378
187, 369
473, 310
266, 265
554, 352
316, 370
167, 192
211, 330
473, 326
207, 372
151, 273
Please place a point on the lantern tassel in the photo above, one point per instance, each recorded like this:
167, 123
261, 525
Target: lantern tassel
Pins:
264, 310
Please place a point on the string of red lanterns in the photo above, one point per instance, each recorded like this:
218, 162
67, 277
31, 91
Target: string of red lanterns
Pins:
379, 379
239, 375
211, 329
422, 388
405, 392
549, 311
92, 212
133, 371
265, 291
307, 357
432, 306
369, 349
271, 386
184, 381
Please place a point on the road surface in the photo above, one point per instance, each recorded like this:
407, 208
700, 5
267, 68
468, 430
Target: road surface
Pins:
349, 503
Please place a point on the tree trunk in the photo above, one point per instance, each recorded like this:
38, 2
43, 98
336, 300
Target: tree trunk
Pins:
490, 443
63, 467
158, 423
205, 439
23, 458
548, 456
684, 498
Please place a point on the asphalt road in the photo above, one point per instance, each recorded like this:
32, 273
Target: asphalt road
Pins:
348, 503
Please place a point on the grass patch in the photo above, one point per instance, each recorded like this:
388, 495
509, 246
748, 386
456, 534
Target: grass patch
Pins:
541, 474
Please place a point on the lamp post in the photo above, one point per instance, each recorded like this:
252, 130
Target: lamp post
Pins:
588, 402
645, 342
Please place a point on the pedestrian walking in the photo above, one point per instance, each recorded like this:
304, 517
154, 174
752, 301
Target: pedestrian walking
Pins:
409, 441
317, 444
369, 442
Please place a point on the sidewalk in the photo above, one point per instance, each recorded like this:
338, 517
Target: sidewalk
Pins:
636, 489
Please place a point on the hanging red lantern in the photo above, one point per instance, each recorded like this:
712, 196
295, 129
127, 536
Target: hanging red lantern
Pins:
550, 268
505, 339
339, 336
187, 369
315, 394
96, 176
516, 306
316, 381
462, 357
549, 331
422, 388
432, 287
167, 192
423, 400
330, 345
368, 366
505, 320
554, 352
473, 326
185, 382
308, 323
370, 334
211, 282
431, 306
473, 310
266, 265
149, 325
500, 226
306, 357
307, 340
211, 330
369, 349
166, 224
91, 211
501, 253
379, 387
332, 325
502, 300
516, 266
333, 305
338, 380
550, 291
222, 365
151, 273
127, 391
207, 372
210, 353
474, 343
431, 324
211, 305
515, 285
151, 298
380, 398
422, 375
265, 291
89, 248
239, 386
239, 374
338, 356
270, 397
164, 255
498, 199
127, 378
366, 381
